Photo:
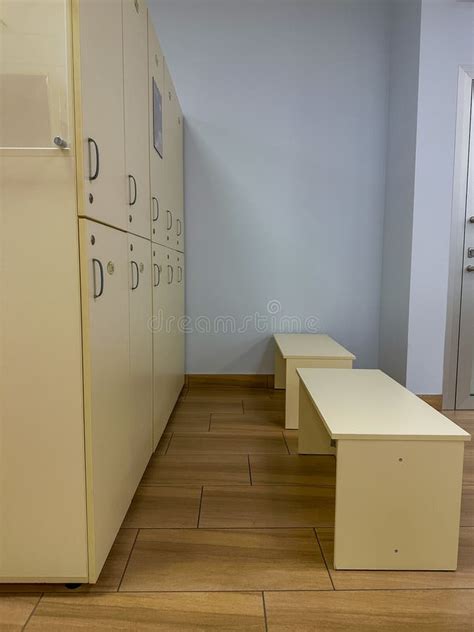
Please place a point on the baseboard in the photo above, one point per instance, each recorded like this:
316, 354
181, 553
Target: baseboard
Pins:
202, 380
436, 401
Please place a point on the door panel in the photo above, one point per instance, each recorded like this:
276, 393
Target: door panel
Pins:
155, 107
465, 375
100, 69
141, 353
170, 161
135, 73
110, 486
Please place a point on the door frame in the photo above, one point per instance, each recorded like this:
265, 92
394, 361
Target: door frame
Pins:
456, 254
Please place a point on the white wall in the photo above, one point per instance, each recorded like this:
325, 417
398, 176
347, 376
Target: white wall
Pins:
447, 41
400, 182
285, 144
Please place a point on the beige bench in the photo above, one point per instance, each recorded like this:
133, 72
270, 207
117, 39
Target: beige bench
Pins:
294, 351
399, 469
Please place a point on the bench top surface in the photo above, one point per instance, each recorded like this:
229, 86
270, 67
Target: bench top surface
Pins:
311, 346
367, 404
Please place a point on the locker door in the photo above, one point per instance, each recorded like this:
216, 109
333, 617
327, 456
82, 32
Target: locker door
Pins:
179, 178
141, 353
99, 66
179, 303
170, 162
105, 311
135, 77
156, 97
162, 334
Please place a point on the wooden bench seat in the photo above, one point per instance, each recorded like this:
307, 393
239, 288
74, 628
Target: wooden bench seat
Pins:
399, 469
294, 351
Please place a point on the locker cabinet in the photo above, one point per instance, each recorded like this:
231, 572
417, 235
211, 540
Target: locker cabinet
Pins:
90, 334
99, 104
135, 77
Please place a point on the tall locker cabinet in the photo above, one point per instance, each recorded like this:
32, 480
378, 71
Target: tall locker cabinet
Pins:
89, 372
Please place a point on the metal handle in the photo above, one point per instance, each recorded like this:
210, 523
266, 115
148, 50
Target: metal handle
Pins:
179, 227
134, 264
156, 206
180, 274
91, 143
132, 201
157, 276
169, 220
471, 219
470, 269
99, 293
170, 274
60, 142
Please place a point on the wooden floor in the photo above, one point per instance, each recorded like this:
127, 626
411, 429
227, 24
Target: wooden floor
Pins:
231, 530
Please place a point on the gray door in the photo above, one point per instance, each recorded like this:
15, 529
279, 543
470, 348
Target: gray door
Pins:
465, 373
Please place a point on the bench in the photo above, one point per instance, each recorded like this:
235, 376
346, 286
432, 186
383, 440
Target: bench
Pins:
398, 473
294, 351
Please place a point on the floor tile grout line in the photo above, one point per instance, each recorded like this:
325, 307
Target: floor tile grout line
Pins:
128, 561
250, 469
324, 557
169, 443
200, 507
210, 422
264, 611
33, 611
286, 443
254, 590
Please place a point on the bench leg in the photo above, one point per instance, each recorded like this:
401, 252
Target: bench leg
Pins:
398, 504
312, 436
280, 370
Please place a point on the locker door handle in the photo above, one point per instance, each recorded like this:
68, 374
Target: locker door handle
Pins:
95, 262
170, 274
134, 264
179, 227
180, 274
156, 275
156, 206
169, 220
91, 143
132, 201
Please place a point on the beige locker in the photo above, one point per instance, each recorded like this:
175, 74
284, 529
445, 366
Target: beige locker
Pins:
170, 161
135, 77
99, 104
108, 414
155, 117
141, 353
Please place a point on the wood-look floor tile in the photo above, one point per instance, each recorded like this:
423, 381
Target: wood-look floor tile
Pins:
293, 470
164, 507
370, 611
211, 405
254, 405
226, 442
468, 472
189, 422
248, 559
160, 612
221, 393
267, 506
197, 469
224, 422
467, 507
291, 438
228, 381
109, 578
163, 443
15, 610
374, 580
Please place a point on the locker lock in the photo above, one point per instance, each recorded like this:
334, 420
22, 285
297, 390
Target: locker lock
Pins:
111, 267
142, 267
470, 253
131, 247
156, 60
92, 239
137, 6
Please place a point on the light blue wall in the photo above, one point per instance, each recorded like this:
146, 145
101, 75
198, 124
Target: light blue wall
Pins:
447, 41
400, 184
285, 144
